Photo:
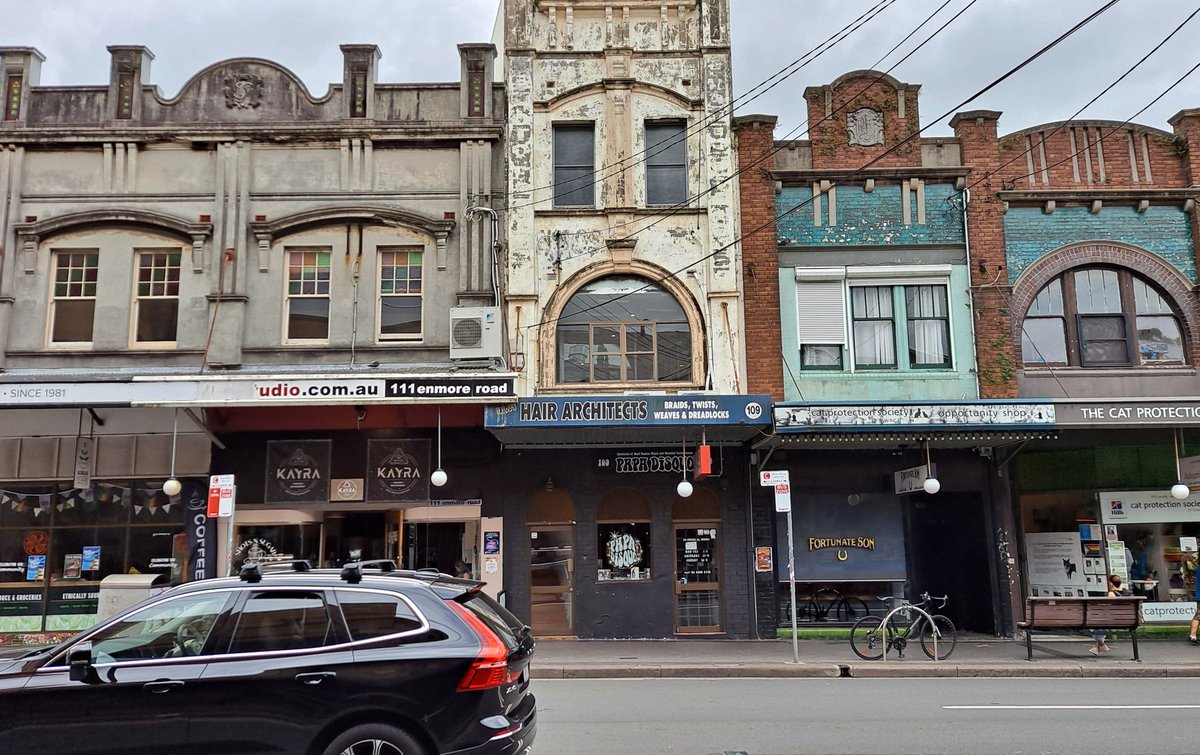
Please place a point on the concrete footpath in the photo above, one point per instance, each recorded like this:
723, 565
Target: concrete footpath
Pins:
973, 656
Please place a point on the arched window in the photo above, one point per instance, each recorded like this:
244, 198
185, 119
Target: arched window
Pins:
623, 329
1101, 317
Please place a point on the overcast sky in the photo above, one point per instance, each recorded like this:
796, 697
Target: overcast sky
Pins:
418, 38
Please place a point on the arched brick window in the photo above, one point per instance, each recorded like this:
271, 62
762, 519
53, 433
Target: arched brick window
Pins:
1102, 316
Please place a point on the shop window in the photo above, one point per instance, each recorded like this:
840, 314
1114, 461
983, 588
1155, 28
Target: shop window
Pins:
574, 165
905, 325
400, 279
307, 295
372, 615
1101, 317
623, 329
156, 301
283, 620
666, 164
73, 297
623, 537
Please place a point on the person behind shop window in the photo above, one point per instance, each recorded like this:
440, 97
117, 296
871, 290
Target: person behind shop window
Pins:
1139, 567
1195, 596
462, 570
1115, 589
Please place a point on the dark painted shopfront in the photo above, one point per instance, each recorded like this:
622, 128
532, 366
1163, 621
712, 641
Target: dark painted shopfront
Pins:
628, 517
864, 525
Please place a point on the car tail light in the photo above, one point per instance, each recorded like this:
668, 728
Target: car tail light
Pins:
490, 667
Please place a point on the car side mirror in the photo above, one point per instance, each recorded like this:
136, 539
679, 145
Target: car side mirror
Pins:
79, 662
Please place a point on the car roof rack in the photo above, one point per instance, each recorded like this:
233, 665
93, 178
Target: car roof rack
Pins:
290, 564
250, 572
353, 571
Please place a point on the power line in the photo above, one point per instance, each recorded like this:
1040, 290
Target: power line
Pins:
772, 223
675, 209
770, 83
1089, 103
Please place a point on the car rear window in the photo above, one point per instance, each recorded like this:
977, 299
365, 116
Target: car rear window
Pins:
497, 617
371, 614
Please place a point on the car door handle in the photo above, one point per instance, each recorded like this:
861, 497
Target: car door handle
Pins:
315, 678
163, 687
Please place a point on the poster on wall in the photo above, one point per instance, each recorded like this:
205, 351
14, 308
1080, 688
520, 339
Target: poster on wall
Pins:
297, 471
398, 469
763, 559
1055, 565
91, 558
844, 540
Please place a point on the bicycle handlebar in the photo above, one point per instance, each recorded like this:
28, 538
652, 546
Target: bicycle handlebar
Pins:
926, 599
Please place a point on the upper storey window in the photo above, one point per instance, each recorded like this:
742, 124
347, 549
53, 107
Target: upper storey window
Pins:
307, 295
400, 279
1101, 317
73, 299
157, 299
574, 165
666, 164
623, 329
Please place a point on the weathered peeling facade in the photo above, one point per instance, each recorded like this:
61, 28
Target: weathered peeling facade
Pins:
622, 278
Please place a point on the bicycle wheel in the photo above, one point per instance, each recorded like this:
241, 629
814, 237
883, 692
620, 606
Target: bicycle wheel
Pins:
868, 638
945, 641
852, 609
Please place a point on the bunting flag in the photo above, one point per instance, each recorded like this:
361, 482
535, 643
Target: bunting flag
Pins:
38, 505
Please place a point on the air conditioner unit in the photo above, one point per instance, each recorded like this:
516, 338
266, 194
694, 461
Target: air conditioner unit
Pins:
475, 333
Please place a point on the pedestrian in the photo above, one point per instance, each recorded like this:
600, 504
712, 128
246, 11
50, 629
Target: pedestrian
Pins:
1114, 590
462, 570
1196, 596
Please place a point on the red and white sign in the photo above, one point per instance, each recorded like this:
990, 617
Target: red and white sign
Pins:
221, 495
783, 497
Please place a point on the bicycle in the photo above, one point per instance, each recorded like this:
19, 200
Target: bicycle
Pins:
872, 637
845, 608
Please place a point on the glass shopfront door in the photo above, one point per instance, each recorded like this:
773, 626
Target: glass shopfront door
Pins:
552, 580
697, 583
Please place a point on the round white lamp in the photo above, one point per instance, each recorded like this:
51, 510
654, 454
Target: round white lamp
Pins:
1180, 491
438, 478
172, 487
932, 485
684, 489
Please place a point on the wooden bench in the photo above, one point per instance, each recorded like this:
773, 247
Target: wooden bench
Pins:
1082, 613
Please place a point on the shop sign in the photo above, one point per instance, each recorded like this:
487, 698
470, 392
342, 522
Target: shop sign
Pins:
639, 411
200, 533
398, 470
297, 471
898, 417
1147, 507
20, 603
1127, 413
225, 391
455, 502
346, 489
912, 480
836, 542
647, 462
73, 600
1168, 613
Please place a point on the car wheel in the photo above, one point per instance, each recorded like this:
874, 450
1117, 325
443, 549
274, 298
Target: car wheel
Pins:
374, 739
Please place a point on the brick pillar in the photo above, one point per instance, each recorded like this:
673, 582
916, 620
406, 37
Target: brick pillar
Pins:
997, 352
1186, 124
755, 135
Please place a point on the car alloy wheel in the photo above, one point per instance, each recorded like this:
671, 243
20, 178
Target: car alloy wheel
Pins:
372, 747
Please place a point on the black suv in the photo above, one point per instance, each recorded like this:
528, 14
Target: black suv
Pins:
363, 660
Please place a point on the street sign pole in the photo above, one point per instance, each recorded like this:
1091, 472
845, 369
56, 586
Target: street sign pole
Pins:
779, 480
792, 586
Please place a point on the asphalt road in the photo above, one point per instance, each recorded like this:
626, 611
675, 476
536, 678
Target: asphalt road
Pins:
886, 716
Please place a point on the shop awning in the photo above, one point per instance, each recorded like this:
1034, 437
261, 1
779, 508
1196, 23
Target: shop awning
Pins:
259, 385
947, 424
634, 420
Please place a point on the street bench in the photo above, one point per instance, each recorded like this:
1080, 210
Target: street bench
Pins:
1082, 614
